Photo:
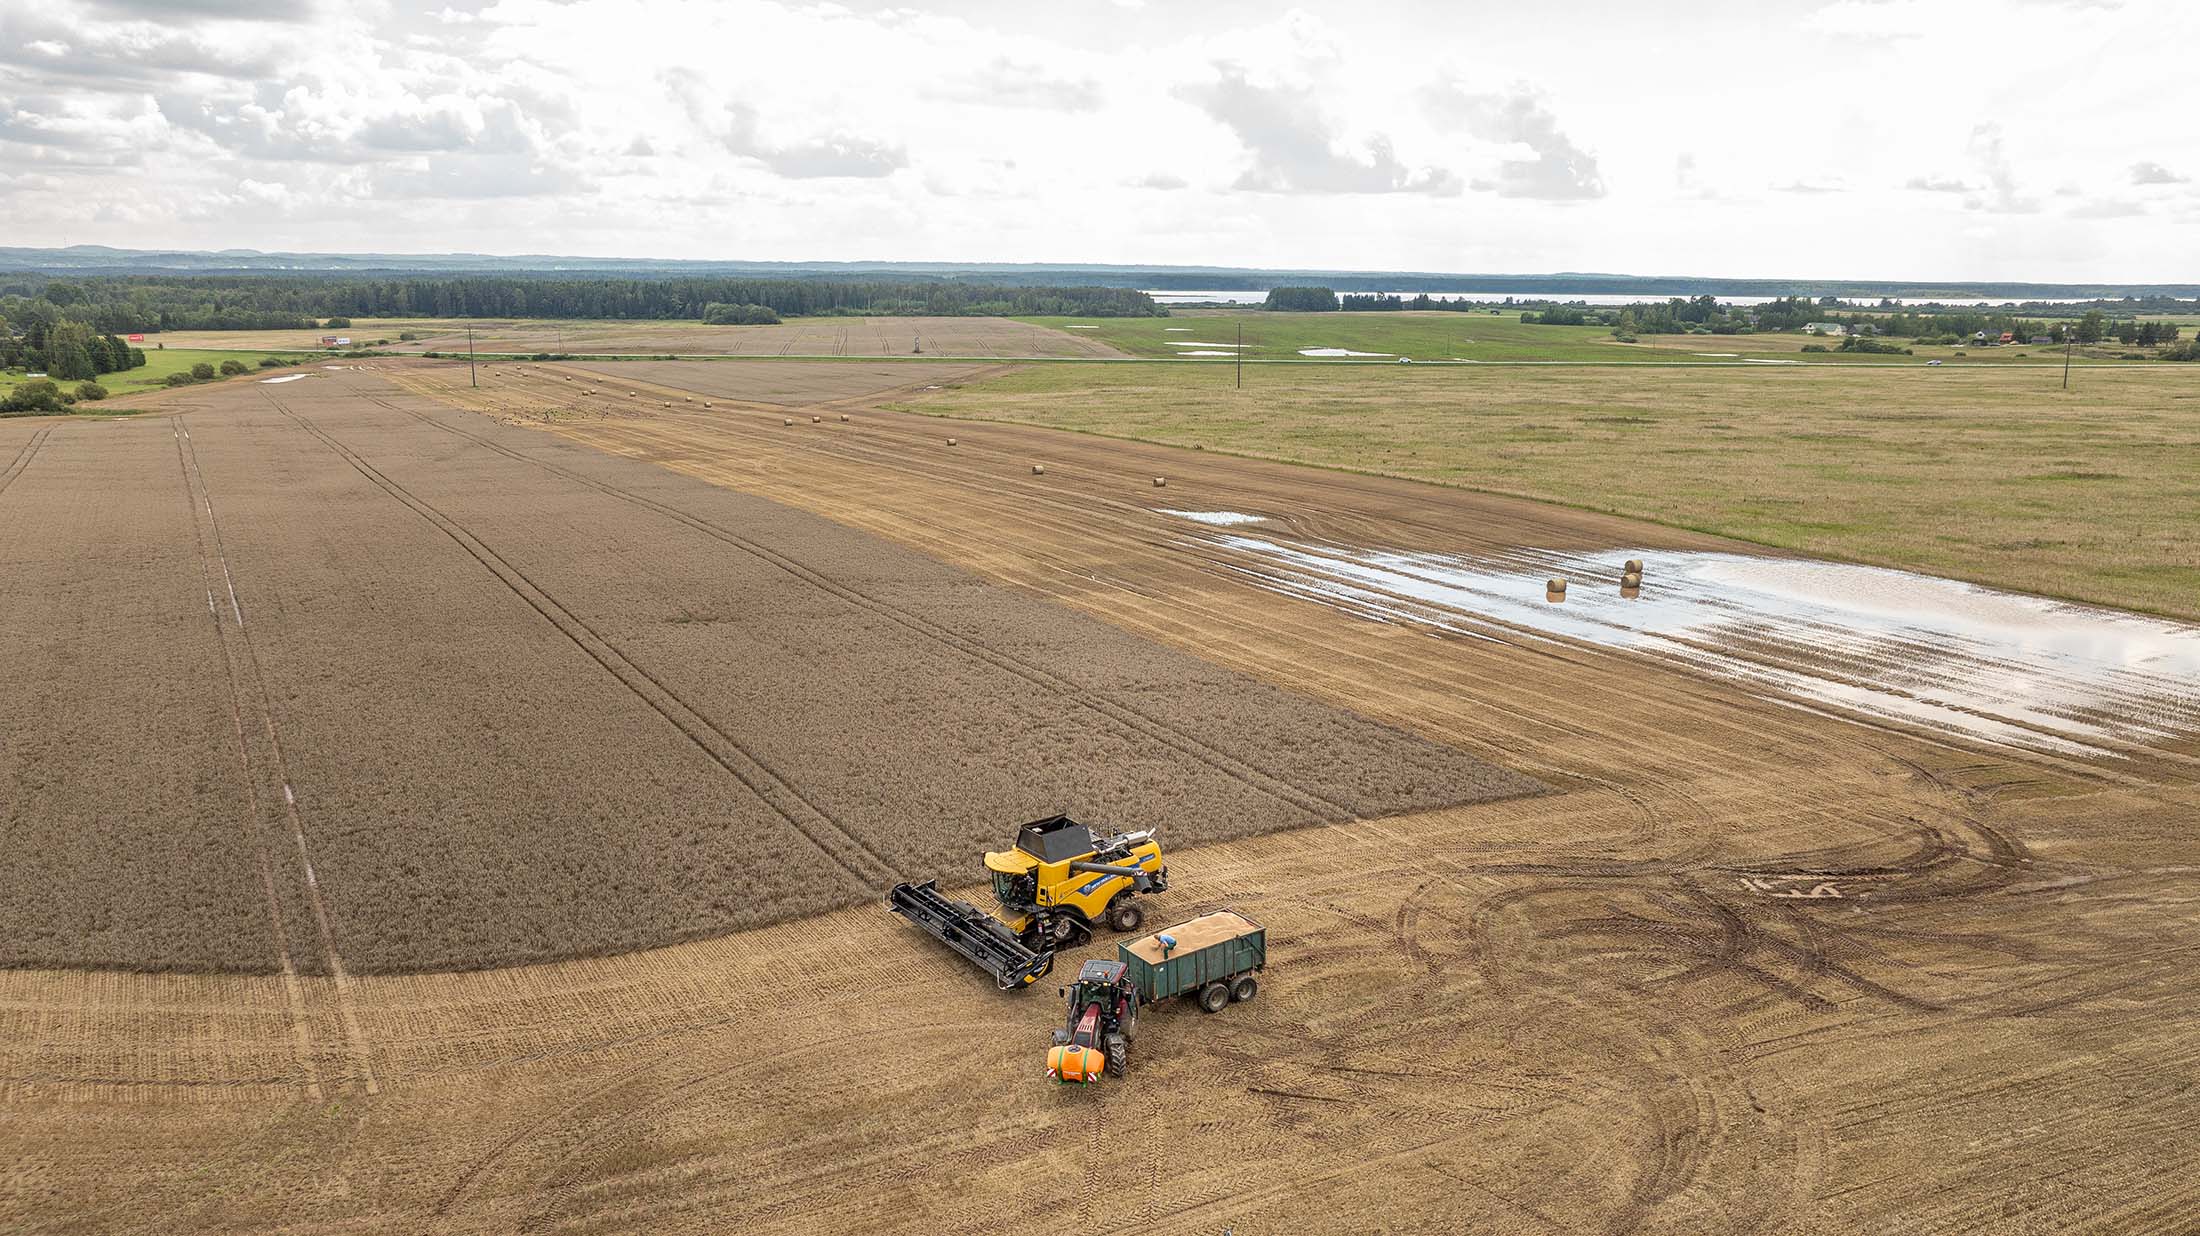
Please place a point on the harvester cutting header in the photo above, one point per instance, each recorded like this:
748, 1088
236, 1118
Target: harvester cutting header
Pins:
1056, 885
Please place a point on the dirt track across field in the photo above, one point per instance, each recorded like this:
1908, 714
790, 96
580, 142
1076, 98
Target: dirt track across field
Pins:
1753, 968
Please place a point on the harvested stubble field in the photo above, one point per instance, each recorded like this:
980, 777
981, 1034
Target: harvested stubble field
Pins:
785, 383
1596, 1010
954, 337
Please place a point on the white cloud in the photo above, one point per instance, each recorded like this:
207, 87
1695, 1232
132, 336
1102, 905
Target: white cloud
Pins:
1325, 134
1544, 164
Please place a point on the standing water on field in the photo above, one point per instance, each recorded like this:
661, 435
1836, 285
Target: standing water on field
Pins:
1978, 662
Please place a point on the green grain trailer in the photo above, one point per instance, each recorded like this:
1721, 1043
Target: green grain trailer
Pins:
1212, 958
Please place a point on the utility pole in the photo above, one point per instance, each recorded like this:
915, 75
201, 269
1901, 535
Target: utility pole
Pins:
470, 374
2069, 337
1241, 356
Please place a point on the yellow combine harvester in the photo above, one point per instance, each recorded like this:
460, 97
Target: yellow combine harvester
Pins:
1057, 884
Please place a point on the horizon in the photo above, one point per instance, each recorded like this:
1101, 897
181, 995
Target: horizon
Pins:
517, 263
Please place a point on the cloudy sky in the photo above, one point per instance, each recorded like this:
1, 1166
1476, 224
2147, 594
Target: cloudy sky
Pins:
2015, 139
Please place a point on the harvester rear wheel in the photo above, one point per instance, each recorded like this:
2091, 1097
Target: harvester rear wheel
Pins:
1244, 989
1125, 915
1214, 997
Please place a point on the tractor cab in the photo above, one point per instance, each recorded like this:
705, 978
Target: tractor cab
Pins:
1099, 982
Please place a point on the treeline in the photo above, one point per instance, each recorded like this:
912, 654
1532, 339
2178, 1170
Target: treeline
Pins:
1302, 300
62, 348
143, 304
715, 314
1390, 302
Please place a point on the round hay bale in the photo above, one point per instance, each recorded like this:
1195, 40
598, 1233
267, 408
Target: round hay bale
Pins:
1038, 469
789, 422
1633, 567
706, 403
1556, 588
667, 403
1630, 591
687, 399
1632, 579
817, 420
844, 418
951, 442
1160, 482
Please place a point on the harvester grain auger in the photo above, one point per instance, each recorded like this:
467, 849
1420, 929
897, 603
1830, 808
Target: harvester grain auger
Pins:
1054, 887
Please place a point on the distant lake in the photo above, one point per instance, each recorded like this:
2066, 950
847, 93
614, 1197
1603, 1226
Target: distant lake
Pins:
1597, 299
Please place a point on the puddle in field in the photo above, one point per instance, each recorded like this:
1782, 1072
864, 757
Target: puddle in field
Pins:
1714, 354
1970, 661
288, 377
1074, 327
1759, 360
1221, 519
1200, 343
1339, 352
1204, 352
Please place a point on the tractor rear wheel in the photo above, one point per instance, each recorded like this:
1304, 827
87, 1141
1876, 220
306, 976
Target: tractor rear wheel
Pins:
1125, 915
1119, 1055
1244, 989
1214, 997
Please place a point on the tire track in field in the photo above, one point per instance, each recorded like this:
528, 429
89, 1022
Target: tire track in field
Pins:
206, 533
987, 481
22, 461
603, 1118
1513, 752
1309, 802
869, 870
1131, 517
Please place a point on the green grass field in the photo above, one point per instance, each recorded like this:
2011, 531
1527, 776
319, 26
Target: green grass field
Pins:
152, 375
1443, 336
1987, 474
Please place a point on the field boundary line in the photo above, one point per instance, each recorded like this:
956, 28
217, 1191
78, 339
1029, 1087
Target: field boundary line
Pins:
293, 990
737, 759
1316, 805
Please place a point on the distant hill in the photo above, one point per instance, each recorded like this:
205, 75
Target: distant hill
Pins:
104, 260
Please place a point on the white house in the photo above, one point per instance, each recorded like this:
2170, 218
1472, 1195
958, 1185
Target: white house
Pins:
1825, 328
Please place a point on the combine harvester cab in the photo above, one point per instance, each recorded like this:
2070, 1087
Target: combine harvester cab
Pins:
1054, 887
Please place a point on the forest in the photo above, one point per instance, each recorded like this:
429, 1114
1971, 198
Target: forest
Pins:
142, 304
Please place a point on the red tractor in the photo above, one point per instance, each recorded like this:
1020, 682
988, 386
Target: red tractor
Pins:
1103, 1019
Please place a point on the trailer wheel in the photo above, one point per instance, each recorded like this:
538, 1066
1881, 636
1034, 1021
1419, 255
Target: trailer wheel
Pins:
1244, 989
1125, 915
1214, 997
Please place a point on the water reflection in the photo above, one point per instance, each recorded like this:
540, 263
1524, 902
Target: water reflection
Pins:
1968, 660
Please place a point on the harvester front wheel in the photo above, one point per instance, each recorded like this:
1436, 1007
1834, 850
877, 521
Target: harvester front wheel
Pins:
1125, 915
1244, 989
1214, 997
